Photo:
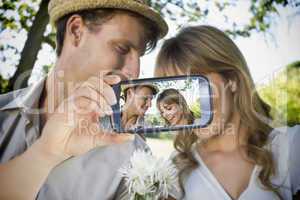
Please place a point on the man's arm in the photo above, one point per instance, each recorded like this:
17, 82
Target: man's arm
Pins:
62, 137
22, 177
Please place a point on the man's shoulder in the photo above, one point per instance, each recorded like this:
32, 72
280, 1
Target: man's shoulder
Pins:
95, 171
22, 98
8, 98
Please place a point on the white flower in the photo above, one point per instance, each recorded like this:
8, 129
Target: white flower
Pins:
147, 175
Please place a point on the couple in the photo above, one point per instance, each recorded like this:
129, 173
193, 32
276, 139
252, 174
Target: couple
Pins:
50, 143
170, 103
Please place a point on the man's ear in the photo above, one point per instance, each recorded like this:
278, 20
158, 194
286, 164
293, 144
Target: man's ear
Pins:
75, 28
130, 93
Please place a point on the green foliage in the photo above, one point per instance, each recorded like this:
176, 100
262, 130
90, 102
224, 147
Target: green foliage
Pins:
167, 136
3, 85
262, 13
196, 109
180, 85
154, 120
47, 68
283, 94
16, 17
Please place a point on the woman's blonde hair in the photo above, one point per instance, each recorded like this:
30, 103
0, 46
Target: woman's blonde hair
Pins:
170, 96
206, 49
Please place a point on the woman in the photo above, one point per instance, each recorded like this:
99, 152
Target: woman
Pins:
173, 108
238, 156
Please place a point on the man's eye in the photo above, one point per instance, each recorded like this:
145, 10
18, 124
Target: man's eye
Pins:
122, 49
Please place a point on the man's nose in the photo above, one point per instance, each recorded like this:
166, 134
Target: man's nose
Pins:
148, 103
131, 68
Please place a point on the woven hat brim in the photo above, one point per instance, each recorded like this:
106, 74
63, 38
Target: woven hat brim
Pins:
154, 87
67, 7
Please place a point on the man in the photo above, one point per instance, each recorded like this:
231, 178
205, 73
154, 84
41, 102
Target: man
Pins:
54, 124
138, 99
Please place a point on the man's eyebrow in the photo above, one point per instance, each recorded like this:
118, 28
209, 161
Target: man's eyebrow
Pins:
140, 48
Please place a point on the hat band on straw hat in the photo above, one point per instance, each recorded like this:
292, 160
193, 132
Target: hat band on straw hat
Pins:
60, 8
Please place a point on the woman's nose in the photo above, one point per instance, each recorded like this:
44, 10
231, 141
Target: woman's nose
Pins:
165, 115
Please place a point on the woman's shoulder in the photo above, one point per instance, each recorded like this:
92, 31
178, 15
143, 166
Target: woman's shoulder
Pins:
281, 144
285, 146
284, 134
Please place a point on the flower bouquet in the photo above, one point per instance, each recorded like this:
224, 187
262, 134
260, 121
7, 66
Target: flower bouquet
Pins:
148, 177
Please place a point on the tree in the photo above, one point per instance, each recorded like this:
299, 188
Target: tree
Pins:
30, 17
283, 94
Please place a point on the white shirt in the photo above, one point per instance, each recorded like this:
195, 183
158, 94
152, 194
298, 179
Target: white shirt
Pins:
285, 146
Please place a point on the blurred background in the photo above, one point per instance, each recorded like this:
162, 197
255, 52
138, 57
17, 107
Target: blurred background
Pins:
266, 31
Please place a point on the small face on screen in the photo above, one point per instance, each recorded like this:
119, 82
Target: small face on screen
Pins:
173, 108
164, 103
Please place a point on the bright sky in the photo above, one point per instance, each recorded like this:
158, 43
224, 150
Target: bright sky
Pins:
265, 54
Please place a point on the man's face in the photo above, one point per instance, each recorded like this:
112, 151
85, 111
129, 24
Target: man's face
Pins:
140, 99
117, 45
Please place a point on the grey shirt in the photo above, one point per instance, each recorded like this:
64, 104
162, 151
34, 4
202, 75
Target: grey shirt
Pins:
93, 175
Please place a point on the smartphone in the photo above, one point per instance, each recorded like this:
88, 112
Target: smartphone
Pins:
161, 104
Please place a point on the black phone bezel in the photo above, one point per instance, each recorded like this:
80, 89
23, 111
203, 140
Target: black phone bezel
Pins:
116, 117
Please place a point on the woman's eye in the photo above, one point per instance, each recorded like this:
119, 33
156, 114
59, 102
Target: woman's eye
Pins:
168, 108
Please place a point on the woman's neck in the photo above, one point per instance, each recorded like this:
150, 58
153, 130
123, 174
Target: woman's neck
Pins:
183, 121
231, 138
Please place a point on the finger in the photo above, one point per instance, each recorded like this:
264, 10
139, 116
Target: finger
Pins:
100, 99
112, 79
87, 100
105, 106
119, 73
103, 88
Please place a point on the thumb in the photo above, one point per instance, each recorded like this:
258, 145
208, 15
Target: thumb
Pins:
112, 79
111, 138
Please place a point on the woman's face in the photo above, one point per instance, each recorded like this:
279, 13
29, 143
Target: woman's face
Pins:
172, 113
223, 107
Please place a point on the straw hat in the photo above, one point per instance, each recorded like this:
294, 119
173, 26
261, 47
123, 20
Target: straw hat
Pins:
154, 88
60, 8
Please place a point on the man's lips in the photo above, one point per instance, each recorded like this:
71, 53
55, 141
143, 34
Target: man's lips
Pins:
144, 110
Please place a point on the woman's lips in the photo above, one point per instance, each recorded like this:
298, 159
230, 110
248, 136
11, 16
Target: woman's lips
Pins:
171, 120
